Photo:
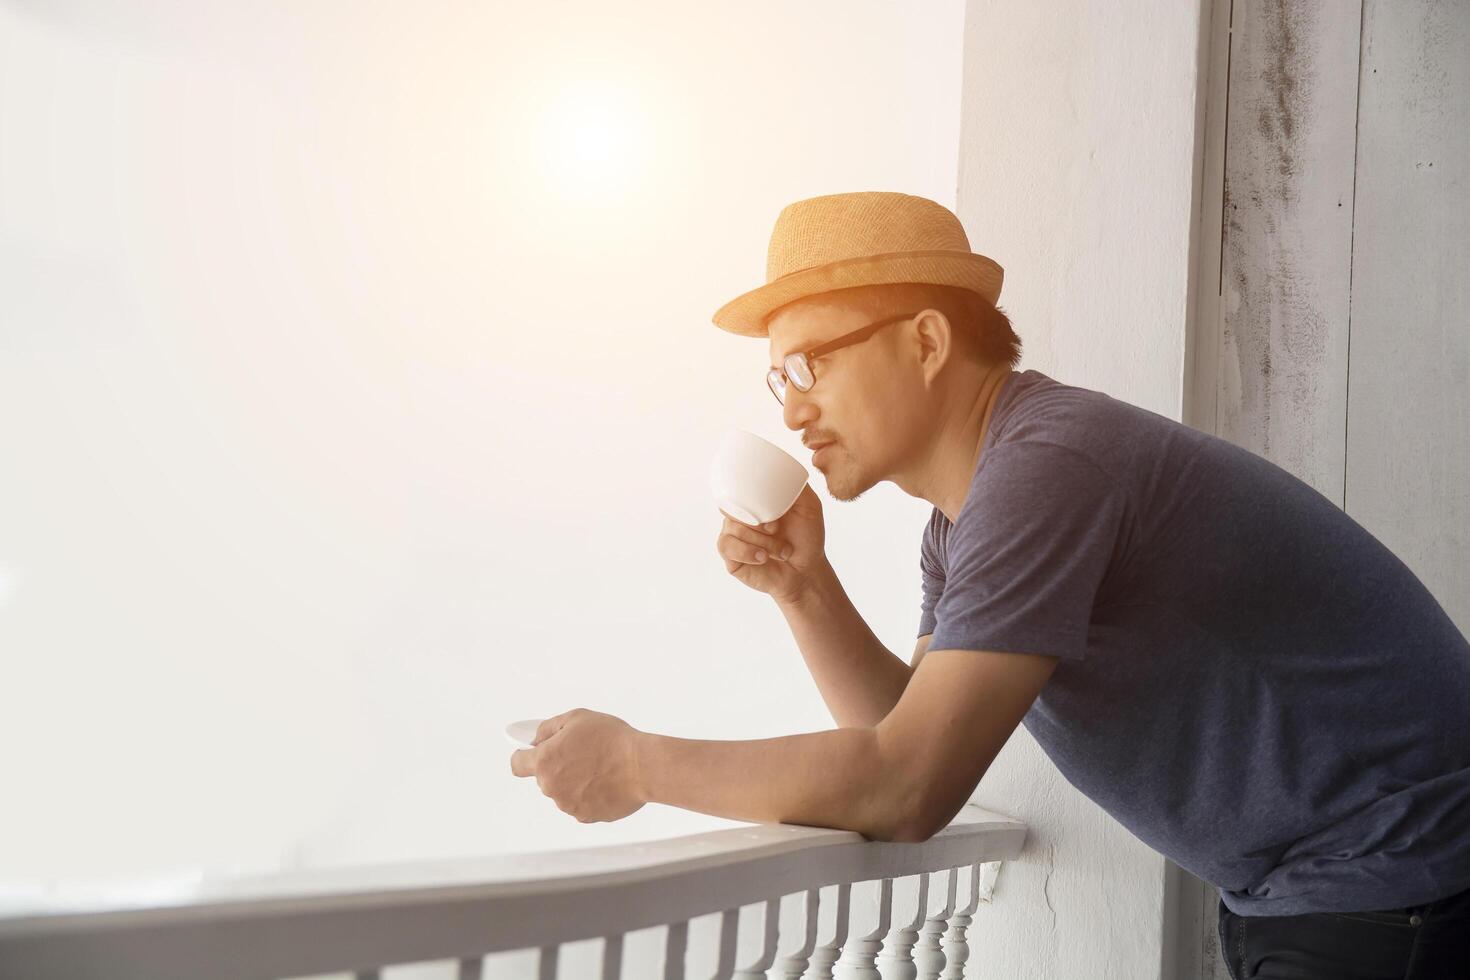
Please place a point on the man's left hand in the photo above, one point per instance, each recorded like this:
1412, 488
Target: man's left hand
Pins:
587, 762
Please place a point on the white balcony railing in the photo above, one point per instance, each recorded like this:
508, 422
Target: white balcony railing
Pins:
361, 920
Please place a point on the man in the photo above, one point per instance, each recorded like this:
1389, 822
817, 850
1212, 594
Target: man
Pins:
1204, 645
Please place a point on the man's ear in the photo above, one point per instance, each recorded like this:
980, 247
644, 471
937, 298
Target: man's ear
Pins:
934, 340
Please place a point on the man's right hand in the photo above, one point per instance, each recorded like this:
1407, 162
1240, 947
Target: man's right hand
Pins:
800, 529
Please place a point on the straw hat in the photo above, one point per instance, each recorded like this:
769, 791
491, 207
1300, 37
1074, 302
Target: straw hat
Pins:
860, 239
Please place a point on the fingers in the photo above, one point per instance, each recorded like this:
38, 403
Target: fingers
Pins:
746, 552
549, 727
769, 526
755, 534
740, 542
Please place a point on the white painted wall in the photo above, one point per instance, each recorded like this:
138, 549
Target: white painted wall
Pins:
287, 503
1077, 146
343, 418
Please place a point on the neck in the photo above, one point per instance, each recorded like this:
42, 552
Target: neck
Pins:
956, 454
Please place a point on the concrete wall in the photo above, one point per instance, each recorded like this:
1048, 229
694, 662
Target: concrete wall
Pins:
1332, 334
1077, 150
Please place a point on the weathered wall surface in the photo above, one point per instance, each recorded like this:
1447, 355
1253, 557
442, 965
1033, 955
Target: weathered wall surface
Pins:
1333, 335
1343, 318
1288, 233
1407, 472
1077, 146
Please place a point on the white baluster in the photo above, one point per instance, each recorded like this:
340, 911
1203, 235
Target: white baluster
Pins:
729, 932
757, 970
827, 953
676, 944
546, 962
612, 957
988, 873
793, 965
956, 946
928, 956
897, 961
858, 955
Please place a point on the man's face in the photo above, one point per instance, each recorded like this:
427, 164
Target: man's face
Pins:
852, 405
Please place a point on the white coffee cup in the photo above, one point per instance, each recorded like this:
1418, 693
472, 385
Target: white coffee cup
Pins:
522, 733
754, 481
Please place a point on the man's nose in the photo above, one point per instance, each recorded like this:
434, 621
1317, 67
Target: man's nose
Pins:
797, 409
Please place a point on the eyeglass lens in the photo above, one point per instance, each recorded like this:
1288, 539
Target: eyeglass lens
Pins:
798, 370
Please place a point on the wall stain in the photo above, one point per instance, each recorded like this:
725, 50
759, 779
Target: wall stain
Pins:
1277, 110
1283, 229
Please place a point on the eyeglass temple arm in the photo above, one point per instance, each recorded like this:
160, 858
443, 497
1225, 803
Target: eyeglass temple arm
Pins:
857, 335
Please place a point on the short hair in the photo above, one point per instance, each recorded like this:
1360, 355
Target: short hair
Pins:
982, 332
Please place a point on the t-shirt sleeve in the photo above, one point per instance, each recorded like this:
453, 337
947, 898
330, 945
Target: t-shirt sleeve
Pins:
931, 571
1028, 553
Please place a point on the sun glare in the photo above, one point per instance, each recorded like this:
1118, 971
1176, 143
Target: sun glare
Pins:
595, 140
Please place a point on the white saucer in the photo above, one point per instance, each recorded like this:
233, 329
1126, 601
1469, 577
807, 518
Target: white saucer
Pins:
522, 733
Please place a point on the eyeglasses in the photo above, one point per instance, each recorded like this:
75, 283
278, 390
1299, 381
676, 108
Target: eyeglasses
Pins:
798, 364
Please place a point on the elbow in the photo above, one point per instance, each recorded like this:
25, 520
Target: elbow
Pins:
910, 826
898, 798
929, 807
921, 817
910, 834
906, 837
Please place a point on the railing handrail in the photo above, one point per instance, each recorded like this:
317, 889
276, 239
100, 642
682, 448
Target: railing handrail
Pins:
297, 923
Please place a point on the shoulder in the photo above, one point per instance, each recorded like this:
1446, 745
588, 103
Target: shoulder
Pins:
1037, 408
1118, 438
1028, 478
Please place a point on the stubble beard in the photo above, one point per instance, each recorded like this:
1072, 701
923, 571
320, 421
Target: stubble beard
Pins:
840, 485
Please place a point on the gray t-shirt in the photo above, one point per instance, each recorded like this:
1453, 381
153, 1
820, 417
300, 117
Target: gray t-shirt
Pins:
1250, 682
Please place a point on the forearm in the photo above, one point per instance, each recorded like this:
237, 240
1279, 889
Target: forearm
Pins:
858, 677
818, 779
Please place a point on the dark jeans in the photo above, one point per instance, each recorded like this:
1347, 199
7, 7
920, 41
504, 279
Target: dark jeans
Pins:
1426, 942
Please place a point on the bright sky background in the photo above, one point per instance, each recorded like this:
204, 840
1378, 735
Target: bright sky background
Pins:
357, 389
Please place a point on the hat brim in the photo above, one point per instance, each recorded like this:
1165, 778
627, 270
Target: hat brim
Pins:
746, 314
